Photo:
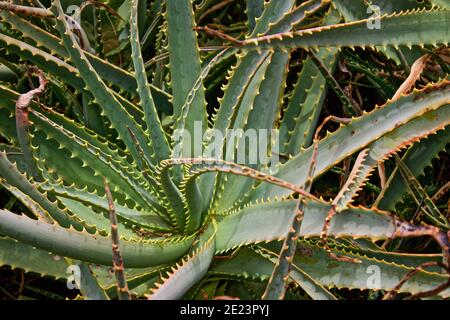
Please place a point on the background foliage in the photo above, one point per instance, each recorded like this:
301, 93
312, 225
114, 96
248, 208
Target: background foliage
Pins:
96, 102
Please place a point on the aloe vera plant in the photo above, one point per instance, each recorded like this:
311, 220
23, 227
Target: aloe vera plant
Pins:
97, 156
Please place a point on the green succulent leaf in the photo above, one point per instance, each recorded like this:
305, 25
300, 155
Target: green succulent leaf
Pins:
366, 129
185, 64
20, 255
271, 221
88, 247
370, 274
189, 271
89, 286
153, 123
120, 118
410, 28
417, 158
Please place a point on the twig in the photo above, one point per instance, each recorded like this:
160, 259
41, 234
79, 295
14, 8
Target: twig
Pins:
276, 287
219, 34
416, 71
328, 119
165, 55
122, 286
382, 174
405, 229
26, 10
389, 295
45, 13
430, 293
25, 99
23, 123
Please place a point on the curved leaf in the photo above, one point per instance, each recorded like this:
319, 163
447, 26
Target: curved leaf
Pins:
88, 247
